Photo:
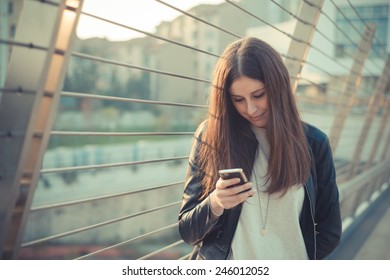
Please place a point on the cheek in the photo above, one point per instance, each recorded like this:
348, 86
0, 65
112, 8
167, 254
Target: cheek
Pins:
240, 107
263, 103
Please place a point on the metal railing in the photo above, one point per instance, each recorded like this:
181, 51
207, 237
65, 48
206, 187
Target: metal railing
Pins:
105, 192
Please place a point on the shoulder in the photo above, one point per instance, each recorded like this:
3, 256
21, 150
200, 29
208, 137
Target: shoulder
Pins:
317, 140
200, 129
313, 134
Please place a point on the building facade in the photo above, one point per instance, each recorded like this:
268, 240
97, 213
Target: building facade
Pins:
9, 14
338, 33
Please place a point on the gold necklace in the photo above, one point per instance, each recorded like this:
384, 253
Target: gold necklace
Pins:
263, 230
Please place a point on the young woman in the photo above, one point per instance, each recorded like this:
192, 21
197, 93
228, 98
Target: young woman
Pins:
289, 209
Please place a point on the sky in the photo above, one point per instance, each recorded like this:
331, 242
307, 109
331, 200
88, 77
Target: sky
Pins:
140, 14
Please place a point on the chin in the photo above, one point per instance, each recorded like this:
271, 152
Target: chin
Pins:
259, 124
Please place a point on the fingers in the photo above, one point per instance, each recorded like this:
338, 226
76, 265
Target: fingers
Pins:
222, 184
230, 186
228, 195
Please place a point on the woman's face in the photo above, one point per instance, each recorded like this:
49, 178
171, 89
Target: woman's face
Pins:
249, 97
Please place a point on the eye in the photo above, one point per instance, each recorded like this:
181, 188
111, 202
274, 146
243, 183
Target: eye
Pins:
237, 100
259, 95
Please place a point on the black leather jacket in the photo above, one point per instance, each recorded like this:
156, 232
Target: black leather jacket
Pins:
320, 219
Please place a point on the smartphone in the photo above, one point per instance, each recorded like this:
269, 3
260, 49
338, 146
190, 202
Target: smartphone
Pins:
233, 173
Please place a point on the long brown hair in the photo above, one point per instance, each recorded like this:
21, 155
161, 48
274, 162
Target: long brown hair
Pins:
228, 140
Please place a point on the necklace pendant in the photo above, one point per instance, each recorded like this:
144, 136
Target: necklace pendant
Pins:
264, 231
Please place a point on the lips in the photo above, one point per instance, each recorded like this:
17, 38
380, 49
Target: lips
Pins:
258, 117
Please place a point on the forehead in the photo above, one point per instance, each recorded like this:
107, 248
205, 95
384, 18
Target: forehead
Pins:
244, 85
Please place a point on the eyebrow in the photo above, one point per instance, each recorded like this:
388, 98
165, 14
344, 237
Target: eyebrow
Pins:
255, 91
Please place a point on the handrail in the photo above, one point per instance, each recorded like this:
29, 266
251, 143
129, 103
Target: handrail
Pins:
353, 192
358, 182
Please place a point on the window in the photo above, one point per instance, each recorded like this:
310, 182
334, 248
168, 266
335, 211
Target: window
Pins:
349, 38
10, 8
12, 31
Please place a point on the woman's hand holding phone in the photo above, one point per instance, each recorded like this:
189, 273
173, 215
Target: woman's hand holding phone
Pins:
231, 189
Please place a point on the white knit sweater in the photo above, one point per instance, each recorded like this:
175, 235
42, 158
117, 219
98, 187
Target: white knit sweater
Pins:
284, 238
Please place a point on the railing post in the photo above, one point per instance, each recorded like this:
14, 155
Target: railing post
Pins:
303, 34
387, 143
380, 135
373, 107
3, 35
30, 99
353, 81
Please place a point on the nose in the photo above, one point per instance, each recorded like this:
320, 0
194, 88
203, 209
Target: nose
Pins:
251, 108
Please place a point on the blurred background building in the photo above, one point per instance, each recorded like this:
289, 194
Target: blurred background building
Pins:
119, 87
